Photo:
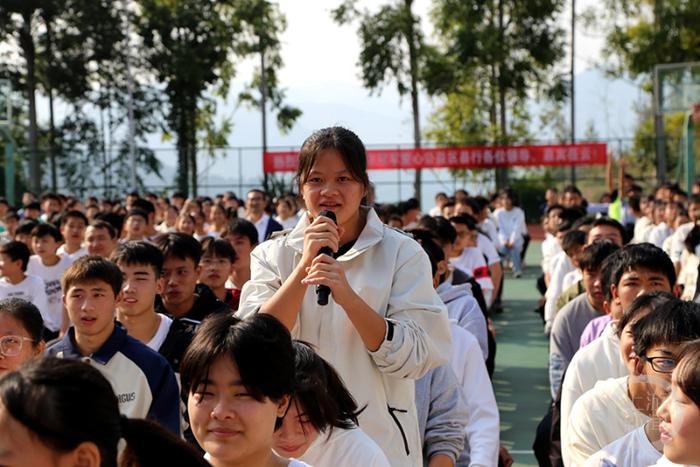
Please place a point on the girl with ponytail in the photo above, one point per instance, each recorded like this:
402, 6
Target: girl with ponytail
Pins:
63, 412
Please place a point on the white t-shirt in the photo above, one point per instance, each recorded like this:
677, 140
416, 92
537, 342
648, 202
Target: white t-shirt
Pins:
261, 226
473, 263
633, 449
51, 275
560, 265
162, 332
659, 233
62, 252
288, 223
642, 229
599, 417
598, 361
511, 225
344, 448
292, 462
32, 290
550, 247
664, 462
488, 249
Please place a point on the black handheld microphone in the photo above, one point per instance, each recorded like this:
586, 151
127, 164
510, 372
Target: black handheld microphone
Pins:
323, 291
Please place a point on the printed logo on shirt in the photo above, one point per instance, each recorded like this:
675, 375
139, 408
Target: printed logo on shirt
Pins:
53, 290
126, 397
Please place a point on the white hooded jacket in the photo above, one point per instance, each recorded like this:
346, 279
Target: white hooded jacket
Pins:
391, 272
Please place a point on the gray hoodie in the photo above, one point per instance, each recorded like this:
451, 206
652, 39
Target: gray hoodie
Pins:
463, 309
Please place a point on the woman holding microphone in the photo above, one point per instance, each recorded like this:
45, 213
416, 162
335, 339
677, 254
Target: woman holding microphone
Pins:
384, 326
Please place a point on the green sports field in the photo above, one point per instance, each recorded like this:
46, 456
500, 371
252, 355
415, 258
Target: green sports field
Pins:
521, 382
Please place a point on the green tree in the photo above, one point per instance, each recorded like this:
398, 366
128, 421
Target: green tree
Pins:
59, 42
509, 49
188, 47
262, 24
392, 50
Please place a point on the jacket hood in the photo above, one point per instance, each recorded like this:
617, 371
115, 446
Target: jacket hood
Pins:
449, 292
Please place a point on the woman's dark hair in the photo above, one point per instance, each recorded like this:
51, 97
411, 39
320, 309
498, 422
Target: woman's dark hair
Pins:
260, 346
341, 139
429, 242
66, 402
27, 314
640, 304
319, 392
692, 240
687, 373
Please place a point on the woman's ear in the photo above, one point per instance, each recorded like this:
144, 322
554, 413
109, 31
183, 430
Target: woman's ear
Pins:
86, 454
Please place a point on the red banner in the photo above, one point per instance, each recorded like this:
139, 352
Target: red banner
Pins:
468, 157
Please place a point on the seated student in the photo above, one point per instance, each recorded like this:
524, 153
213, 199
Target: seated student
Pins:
23, 232
617, 406
637, 272
482, 427
462, 308
142, 380
101, 238
21, 330
604, 228
680, 412
141, 265
550, 245
571, 320
182, 296
135, 225
238, 395
511, 229
442, 416
48, 266
243, 237
321, 427
64, 413
73, 225
572, 243
468, 258
218, 258
16, 283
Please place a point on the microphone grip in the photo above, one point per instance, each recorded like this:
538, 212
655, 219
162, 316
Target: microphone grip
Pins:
323, 291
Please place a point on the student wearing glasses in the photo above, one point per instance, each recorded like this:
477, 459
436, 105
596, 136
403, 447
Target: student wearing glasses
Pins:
20, 333
625, 407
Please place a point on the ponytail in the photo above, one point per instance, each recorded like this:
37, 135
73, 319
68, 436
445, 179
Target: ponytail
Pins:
149, 444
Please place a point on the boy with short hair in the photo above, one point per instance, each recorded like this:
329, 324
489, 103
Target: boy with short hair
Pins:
141, 264
243, 237
73, 225
142, 380
615, 407
47, 265
23, 232
135, 225
218, 258
571, 320
16, 283
101, 238
182, 297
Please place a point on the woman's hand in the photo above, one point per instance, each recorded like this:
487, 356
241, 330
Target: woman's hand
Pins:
322, 232
325, 270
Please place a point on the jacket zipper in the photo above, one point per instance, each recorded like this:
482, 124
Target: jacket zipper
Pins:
396, 420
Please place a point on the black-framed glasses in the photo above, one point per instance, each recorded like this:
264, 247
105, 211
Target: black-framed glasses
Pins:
11, 346
661, 364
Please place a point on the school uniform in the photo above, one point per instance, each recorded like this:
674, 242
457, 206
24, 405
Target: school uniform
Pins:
633, 449
598, 361
599, 417
142, 380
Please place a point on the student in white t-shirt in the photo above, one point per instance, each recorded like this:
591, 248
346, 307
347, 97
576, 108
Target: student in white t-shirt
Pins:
73, 225
468, 257
15, 283
321, 427
47, 265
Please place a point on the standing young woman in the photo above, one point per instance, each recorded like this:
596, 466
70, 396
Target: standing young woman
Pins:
20, 333
238, 376
384, 326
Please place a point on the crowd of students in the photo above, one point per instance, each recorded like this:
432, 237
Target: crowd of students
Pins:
199, 322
